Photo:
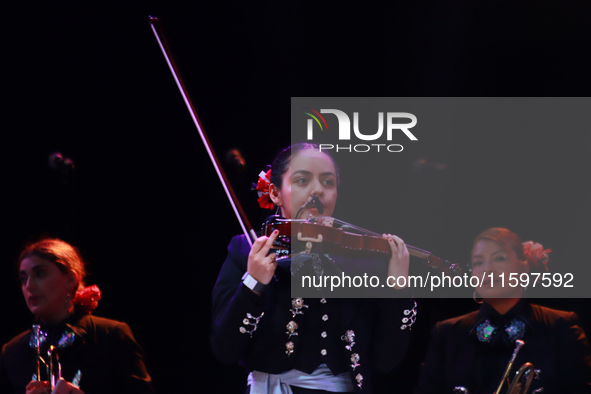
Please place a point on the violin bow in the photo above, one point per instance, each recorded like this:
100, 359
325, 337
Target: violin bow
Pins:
238, 211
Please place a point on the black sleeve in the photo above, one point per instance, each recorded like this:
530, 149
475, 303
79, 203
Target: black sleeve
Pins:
574, 356
5, 386
391, 335
431, 378
234, 303
132, 375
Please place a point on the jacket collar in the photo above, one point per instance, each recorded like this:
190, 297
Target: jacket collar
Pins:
493, 329
522, 310
76, 323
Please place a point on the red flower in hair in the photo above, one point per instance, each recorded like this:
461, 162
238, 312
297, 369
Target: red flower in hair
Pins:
88, 298
536, 254
263, 190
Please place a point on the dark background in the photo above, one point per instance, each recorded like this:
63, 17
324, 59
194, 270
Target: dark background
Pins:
144, 205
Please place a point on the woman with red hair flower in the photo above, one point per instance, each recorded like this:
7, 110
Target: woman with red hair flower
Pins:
312, 345
89, 354
470, 353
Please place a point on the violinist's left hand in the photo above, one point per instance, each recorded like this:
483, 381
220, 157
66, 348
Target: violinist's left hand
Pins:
398, 265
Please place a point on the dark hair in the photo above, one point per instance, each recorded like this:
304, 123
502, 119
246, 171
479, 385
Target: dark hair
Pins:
283, 161
65, 256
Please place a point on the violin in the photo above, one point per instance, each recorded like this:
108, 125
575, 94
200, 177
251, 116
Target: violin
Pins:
304, 234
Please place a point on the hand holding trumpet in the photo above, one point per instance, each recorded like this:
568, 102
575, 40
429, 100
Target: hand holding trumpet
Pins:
62, 387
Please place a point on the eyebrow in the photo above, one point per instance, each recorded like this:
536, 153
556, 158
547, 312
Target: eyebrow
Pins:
304, 172
35, 268
492, 254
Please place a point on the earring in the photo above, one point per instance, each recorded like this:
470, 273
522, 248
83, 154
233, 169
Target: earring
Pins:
69, 304
279, 205
476, 299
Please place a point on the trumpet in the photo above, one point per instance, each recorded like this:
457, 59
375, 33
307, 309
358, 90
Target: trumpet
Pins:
515, 387
52, 365
35, 341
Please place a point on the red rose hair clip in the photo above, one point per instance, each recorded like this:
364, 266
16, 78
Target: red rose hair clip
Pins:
535, 254
88, 298
262, 189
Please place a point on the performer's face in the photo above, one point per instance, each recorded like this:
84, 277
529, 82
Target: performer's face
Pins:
490, 257
310, 172
45, 288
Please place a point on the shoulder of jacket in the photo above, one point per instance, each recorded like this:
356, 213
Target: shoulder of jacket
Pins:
101, 326
459, 323
16, 343
549, 316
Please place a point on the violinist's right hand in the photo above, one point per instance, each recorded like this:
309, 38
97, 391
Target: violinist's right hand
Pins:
260, 266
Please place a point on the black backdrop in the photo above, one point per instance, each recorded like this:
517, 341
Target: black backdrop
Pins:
144, 206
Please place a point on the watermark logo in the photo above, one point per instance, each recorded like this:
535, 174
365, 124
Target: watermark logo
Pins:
316, 119
344, 133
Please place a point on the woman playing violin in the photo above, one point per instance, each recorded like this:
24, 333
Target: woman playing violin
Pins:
304, 345
92, 354
469, 354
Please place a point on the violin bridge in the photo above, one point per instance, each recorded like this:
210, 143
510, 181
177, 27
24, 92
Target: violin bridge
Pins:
310, 239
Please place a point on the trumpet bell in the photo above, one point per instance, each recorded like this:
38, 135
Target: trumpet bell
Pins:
518, 387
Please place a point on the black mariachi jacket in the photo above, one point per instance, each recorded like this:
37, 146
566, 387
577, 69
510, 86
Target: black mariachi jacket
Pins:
104, 351
472, 351
348, 335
